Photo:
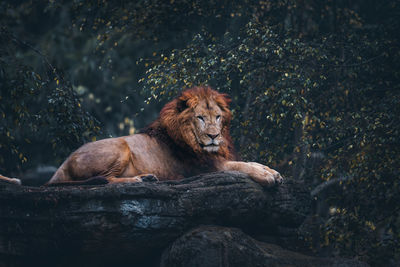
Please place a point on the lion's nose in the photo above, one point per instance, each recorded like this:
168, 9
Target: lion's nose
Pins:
213, 136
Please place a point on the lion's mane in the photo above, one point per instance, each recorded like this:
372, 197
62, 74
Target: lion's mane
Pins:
174, 126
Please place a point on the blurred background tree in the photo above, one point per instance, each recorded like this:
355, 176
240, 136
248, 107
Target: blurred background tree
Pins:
315, 88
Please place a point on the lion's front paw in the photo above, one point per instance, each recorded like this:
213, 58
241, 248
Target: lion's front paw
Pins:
264, 175
277, 176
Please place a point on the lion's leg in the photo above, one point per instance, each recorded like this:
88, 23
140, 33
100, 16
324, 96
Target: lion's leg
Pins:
115, 180
101, 180
135, 179
258, 172
105, 158
10, 180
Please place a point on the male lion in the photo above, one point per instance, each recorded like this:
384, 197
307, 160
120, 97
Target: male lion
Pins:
191, 136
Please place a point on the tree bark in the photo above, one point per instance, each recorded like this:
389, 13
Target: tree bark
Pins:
132, 222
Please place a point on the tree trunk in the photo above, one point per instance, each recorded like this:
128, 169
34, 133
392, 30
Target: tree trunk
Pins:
132, 224
135, 220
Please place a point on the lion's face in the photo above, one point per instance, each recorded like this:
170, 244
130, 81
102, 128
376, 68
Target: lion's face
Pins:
207, 125
199, 118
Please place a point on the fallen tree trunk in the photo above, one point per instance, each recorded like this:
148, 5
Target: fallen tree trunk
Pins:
137, 220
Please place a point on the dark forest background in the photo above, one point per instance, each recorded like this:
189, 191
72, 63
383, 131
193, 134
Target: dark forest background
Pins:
315, 88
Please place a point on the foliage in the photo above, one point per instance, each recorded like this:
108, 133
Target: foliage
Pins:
38, 110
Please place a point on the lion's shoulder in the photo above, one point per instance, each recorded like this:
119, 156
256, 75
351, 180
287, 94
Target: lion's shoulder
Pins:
155, 131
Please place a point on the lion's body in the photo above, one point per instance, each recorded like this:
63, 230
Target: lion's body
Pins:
128, 156
191, 136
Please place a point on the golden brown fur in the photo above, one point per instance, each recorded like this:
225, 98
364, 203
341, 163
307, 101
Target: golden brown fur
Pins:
191, 136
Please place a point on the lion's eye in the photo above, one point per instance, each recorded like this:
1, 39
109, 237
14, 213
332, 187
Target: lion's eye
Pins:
218, 117
200, 118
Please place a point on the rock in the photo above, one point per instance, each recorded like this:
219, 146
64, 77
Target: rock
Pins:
213, 246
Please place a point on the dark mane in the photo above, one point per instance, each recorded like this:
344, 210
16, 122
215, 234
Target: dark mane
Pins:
196, 163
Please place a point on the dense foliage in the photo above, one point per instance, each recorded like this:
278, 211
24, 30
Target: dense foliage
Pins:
333, 99
315, 88
39, 110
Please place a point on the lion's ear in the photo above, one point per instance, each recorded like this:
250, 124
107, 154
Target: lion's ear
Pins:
223, 101
181, 104
186, 101
227, 99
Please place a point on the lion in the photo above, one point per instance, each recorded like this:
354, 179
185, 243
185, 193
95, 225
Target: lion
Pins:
190, 136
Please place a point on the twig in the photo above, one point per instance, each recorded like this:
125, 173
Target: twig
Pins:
20, 42
327, 184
